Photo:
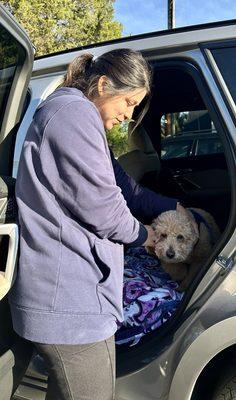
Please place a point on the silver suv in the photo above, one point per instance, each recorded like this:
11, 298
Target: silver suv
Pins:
192, 355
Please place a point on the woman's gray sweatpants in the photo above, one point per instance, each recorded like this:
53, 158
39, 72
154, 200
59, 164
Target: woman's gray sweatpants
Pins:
80, 372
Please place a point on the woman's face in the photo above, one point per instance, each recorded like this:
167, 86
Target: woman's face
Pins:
115, 109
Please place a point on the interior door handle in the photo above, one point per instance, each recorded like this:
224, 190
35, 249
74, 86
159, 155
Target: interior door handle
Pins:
7, 277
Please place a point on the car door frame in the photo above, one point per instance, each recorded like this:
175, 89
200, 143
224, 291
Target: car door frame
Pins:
15, 352
18, 90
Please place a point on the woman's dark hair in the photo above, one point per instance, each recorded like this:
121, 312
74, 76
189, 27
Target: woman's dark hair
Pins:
125, 69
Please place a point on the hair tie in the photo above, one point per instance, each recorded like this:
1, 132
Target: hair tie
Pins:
93, 61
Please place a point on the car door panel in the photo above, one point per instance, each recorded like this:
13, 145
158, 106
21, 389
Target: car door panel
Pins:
200, 181
15, 70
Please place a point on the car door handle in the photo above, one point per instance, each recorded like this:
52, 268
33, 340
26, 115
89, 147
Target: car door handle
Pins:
7, 277
179, 172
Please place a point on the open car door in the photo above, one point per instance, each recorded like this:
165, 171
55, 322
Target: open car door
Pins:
16, 63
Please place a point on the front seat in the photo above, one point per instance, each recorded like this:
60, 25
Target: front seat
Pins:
142, 161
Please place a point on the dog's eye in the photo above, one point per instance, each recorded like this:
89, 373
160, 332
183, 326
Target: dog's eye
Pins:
180, 237
163, 235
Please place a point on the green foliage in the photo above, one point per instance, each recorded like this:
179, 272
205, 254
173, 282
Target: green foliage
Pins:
117, 139
55, 25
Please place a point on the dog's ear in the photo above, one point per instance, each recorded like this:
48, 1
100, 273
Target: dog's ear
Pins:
195, 233
191, 218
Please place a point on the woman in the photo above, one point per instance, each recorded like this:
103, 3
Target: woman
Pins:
67, 297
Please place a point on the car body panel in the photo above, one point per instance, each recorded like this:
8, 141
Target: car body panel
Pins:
204, 348
161, 42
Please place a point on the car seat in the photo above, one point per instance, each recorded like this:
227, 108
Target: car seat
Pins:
142, 161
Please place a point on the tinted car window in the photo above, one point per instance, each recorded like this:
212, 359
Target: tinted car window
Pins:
10, 56
225, 58
181, 131
176, 148
186, 122
208, 146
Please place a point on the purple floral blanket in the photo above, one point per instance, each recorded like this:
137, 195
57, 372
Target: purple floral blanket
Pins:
149, 296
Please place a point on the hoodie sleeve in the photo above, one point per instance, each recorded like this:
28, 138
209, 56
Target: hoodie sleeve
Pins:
77, 169
142, 202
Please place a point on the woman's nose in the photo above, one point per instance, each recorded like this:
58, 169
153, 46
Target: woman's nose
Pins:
129, 113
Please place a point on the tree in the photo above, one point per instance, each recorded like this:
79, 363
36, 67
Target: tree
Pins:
172, 124
55, 25
117, 139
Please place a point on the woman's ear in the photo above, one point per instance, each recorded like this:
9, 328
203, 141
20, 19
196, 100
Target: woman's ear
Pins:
102, 82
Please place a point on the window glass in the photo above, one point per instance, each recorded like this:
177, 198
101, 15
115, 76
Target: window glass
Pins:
176, 148
10, 56
209, 146
226, 62
179, 133
186, 122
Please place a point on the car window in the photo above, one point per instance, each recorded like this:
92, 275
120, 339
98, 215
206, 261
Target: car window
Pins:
10, 56
180, 132
176, 149
209, 146
225, 58
186, 122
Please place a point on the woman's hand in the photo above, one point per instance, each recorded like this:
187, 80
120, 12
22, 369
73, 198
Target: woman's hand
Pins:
151, 239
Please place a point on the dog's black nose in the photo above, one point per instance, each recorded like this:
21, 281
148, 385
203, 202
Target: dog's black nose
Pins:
170, 253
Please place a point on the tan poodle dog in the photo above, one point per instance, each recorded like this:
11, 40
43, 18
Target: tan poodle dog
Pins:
181, 247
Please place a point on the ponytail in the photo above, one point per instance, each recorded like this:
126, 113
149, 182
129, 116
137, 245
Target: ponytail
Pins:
78, 72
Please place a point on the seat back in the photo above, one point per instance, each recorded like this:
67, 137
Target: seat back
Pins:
142, 158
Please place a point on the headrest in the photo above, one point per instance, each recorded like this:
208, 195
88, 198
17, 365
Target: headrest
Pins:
139, 140
136, 163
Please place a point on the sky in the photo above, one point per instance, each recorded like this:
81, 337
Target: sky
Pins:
140, 16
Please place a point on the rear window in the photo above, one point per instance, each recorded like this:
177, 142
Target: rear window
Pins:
225, 59
209, 146
186, 122
176, 148
180, 134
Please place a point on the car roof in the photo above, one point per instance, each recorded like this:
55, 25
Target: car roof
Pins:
185, 37
163, 32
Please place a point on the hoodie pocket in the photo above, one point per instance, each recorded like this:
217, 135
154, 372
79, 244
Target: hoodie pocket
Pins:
110, 261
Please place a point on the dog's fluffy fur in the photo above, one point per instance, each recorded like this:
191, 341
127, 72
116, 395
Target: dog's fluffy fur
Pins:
181, 249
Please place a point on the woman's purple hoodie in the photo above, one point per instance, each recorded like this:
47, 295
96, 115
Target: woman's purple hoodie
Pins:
73, 220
